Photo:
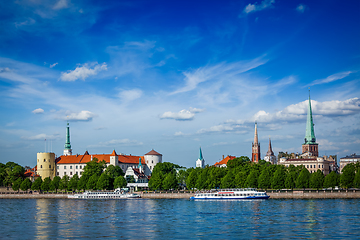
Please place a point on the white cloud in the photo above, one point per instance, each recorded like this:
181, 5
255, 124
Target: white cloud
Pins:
4, 70
53, 65
331, 78
79, 116
83, 72
42, 137
301, 8
29, 21
38, 111
183, 115
130, 95
258, 7
179, 134
60, 5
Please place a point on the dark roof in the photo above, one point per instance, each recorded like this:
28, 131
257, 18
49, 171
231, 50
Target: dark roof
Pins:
153, 152
351, 156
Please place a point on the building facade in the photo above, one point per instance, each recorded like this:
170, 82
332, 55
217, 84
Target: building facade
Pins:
45, 166
270, 156
311, 164
200, 162
224, 161
255, 155
353, 158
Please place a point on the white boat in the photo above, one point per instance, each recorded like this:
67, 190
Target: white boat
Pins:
230, 194
117, 194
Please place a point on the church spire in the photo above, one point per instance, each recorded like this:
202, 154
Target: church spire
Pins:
270, 151
67, 150
255, 156
310, 134
200, 157
256, 135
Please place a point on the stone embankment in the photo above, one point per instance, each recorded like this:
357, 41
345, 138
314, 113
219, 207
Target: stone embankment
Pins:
283, 194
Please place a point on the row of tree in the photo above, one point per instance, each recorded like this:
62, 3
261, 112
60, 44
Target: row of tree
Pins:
241, 173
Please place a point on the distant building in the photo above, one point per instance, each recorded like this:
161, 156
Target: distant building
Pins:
255, 156
353, 158
68, 164
270, 156
311, 164
137, 173
224, 161
200, 162
310, 147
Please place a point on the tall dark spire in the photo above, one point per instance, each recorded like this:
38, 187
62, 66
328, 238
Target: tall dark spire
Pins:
67, 142
310, 134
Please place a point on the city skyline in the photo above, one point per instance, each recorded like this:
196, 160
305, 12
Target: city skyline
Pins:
175, 76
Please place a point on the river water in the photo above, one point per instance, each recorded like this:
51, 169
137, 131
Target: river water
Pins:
179, 219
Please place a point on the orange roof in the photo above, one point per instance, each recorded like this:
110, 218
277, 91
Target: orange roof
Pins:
153, 152
82, 159
225, 160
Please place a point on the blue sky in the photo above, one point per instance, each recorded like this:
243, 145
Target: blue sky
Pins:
176, 75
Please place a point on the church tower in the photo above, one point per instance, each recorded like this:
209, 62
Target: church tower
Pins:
255, 156
310, 146
67, 150
270, 157
200, 162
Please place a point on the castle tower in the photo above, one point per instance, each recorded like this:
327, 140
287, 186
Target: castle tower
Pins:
255, 156
67, 150
200, 162
310, 146
270, 156
46, 165
151, 159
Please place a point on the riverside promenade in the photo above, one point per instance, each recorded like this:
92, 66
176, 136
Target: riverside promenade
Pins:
274, 194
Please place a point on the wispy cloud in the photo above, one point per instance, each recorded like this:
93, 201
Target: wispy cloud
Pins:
217, 72
258, 7
331, 78
130, 95
77, 116
301, 8
117, 142
83, 72
60, 5
38, 111
41, 137
183, 115
53, 65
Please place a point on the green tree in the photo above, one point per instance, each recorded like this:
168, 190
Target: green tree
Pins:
82, 183
25, 185
73, 183
17, 172
181, 178
103, 182
228, 180
54, 185
93, 167
264, 181
278, 180
114, 171
201, 182
347, 176
332, 180
16, 184
155, 182
357, 179
302, 180
91, 183
215, 176
64, 182
120, 182
317, 179
130, 179
169, 181
252, 179
240, 179
191, 179
45, 185
37, 184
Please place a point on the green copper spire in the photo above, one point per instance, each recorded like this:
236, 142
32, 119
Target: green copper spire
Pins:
67, 143
201, 157
140, 165
310, 134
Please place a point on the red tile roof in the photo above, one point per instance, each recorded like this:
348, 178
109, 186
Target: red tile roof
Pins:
153, 152
82, 159
225, 160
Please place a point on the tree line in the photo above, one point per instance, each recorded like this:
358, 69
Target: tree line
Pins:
96, 176
239, 173
242, 173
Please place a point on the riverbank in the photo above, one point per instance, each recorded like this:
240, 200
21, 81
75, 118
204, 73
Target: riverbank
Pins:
296, 194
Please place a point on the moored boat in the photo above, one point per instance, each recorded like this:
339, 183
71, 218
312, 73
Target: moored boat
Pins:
230, 194
117, 194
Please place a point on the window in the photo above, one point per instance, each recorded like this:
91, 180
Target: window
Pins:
322, 166
64, 173
319, 166
314, 166
40, 166
76, 167
64, 167
80, 167
57, 167
50, 166
307, 166
70, 173
44, 160
76, 173
58, 173
70, 167
80, 173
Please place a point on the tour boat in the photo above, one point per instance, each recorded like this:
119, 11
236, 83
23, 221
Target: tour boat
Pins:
117, 194
230, 194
